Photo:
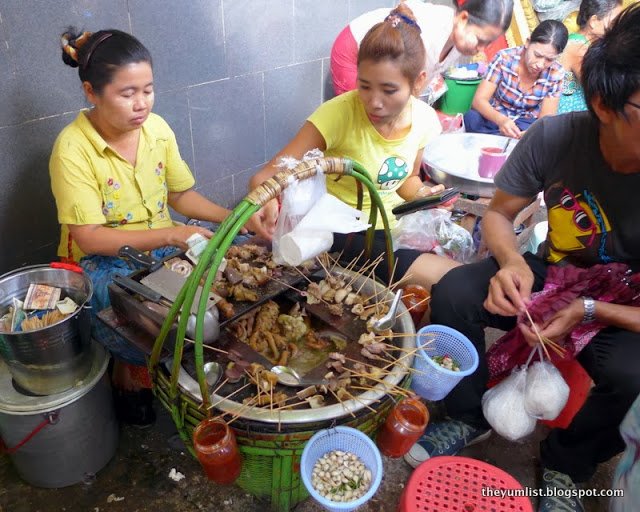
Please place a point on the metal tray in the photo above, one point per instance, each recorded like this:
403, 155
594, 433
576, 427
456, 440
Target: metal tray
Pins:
452, 160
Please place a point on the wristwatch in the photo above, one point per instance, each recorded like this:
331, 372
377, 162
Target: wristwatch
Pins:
589, 310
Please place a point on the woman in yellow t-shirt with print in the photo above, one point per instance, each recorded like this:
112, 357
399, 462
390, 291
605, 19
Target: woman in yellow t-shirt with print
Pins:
115, 170
384, 127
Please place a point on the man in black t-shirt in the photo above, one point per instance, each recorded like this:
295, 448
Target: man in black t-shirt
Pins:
588, 166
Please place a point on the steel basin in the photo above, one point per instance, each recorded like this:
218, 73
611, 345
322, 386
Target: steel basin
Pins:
452, 160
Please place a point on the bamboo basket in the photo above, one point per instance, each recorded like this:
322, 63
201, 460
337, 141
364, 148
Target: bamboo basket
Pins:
271, 459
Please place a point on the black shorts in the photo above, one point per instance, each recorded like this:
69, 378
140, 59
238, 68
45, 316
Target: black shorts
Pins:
352, 244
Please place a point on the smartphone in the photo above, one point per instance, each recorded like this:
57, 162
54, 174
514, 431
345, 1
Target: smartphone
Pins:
424, 203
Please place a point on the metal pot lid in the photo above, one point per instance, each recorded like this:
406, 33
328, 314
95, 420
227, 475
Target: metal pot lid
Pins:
16, 403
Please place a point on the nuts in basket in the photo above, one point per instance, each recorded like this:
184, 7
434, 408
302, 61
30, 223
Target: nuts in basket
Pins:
340, 476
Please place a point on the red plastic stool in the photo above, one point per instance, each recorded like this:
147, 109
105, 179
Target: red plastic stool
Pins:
454, 484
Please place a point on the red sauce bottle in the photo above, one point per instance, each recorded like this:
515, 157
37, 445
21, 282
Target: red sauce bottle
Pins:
403, 427
217, 450
414, 297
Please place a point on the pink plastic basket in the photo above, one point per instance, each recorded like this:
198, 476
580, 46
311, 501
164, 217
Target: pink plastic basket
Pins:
456, 483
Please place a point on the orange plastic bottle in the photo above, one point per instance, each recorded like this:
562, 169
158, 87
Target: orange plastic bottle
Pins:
415, 298
217, 450
403, 427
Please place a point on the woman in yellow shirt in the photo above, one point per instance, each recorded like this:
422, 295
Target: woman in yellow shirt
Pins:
384, 127
115, 170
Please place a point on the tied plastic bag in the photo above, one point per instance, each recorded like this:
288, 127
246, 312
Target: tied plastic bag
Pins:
546, 392
452, 124
433, 231
314, 233
503, 407
297, 200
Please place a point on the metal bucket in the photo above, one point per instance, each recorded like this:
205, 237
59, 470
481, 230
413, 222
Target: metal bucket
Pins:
52, 359
78, 430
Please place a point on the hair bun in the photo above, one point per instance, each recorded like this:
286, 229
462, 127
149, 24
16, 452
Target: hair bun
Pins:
70, 43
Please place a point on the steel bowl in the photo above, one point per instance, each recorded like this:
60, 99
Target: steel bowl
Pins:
452, 160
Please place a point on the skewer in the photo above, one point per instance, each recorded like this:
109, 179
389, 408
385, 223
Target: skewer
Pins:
408, 310
387, 385
372, 265
319, 260
302, 274
354, 261
342, 403
231, 394
353, 397
535, 328
219, 387
215, 349
336, 260
303, 293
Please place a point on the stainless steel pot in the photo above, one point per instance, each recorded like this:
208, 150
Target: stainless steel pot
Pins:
80, 433
52, 359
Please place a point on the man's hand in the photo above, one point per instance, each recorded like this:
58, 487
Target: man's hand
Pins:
559, 326
510, 289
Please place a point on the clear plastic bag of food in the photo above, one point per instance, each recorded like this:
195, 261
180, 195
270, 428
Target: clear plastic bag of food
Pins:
546, 392
503, 407
433, 231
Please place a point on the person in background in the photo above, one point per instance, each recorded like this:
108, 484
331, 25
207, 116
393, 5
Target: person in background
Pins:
381, 124
522, 84
593, 19
449, 36
588, 165
115, 170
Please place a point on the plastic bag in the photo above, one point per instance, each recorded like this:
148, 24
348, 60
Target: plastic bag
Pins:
297, 200
314, 233
546, 392
433, 231
503, 407
452, 124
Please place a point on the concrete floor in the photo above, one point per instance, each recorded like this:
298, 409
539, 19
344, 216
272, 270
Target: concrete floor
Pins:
137, 478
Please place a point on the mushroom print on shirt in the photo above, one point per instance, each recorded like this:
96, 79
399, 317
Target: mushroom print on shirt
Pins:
392, 171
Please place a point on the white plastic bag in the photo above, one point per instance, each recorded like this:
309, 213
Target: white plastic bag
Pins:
314, 233
503, 407
433, 231
545, 393
297, 200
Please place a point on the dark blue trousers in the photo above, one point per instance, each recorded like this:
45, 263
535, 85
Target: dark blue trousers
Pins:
474, 122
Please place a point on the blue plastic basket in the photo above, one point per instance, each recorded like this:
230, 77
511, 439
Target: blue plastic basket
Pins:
431, 381
345, 439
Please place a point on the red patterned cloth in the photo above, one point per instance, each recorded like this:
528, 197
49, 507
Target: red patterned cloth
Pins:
612, 283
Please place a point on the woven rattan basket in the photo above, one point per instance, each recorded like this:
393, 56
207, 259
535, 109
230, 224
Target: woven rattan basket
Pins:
271, 458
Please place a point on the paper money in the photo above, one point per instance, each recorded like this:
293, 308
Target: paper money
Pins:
41, 296
197, 244
66, 306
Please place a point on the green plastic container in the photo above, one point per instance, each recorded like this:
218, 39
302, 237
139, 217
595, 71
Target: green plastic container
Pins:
459, 95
